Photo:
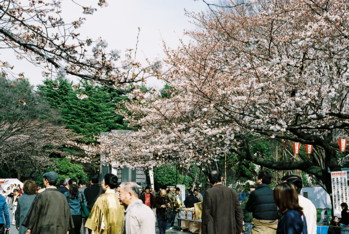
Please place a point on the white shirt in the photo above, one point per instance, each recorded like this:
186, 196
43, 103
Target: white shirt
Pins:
140, 219
309, 212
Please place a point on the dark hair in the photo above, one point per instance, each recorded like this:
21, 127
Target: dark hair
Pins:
214, 177
30, 187
333, 223
82, 182
286, 197
295, 180
74, 191
190, 192
16, 190
94, 179
178, 189
147, 188
111, 180
345, 205
196, 190
265, 176
72, 181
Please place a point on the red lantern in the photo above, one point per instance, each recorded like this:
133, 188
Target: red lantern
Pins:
342, 143
296, 147
308, 149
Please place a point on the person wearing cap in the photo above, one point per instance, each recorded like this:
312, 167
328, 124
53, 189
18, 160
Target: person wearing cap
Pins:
309, 209
50, 212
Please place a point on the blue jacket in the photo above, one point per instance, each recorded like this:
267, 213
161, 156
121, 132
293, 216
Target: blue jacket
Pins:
292, 222
4, 212
74, 204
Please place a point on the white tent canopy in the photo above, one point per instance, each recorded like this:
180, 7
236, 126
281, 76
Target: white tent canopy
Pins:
5, 183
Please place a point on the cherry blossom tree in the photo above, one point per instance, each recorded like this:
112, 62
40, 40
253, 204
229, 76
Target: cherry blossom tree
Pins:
36, 31
253, 70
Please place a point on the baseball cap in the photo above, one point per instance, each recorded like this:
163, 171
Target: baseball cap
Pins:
51, 176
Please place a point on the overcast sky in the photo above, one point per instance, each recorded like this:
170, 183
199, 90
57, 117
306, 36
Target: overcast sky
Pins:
158, 20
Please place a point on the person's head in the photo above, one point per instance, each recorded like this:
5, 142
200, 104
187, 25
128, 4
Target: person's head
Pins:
72, 181
344, 206
147, 189
264, 177
110, 181
94, 179
30, 187
163, 193
50, 178
215, 177
66, 182
82, 183
196, 191
129, 192
74, 191
178, 191
15, 192
295, 180
286, 197
173, 190
335, 220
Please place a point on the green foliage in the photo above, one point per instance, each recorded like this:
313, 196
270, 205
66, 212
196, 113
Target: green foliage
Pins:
167, 91
168, 175
19, 102
88, 116
242, 170
65, 168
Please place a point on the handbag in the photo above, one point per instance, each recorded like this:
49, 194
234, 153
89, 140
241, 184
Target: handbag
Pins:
85, 212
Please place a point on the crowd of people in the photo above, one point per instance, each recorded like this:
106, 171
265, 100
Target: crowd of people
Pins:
112, 207
127, 208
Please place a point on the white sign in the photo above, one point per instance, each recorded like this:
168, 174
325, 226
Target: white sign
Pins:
339, 183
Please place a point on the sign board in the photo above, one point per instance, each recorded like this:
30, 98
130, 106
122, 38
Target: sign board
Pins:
339, 181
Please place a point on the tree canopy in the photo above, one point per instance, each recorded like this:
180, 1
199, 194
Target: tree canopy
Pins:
29, 129
87, 109
256, 70
36, 30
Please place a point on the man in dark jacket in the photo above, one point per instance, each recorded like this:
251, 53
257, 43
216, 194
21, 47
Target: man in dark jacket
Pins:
92, 192
261, 204
190, 200
50, 212
221, 211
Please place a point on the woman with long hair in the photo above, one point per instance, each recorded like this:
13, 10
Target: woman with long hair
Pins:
292, 220
74, 198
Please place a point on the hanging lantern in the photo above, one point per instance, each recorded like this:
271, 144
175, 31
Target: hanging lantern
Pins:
308, 149
296, 147
342, 143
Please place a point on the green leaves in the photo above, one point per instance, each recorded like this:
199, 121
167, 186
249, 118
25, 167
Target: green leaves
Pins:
86, 108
